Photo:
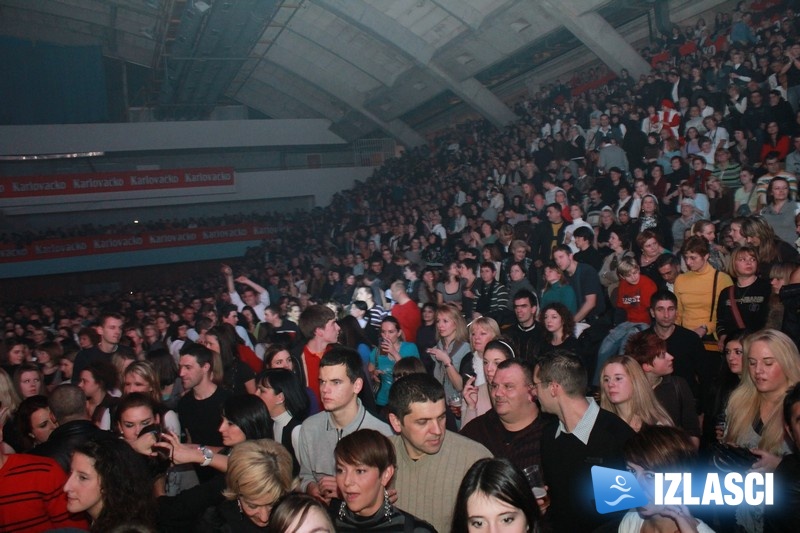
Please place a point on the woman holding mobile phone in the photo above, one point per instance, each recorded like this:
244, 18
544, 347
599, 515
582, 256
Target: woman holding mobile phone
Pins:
390, 349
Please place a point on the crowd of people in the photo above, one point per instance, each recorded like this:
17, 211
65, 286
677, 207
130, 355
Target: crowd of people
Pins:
611, 280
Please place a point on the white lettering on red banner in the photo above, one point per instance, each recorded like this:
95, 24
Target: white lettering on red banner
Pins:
105, 182
92, 245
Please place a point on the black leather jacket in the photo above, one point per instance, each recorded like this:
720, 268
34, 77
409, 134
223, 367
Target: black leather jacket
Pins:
790, 297
65, 438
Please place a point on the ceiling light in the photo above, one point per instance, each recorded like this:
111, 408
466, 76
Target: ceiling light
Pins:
42, 157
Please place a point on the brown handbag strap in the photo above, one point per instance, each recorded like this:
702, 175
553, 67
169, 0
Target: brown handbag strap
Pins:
734, 307
713, 296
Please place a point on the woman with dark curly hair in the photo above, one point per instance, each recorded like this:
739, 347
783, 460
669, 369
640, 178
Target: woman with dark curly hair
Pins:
109, 482
96, 381
559, 325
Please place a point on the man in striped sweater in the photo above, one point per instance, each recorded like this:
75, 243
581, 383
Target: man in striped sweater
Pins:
32, 497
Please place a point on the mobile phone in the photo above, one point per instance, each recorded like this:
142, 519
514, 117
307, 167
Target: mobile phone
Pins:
155, 429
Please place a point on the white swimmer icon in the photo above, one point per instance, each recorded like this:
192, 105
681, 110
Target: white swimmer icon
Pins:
620, 486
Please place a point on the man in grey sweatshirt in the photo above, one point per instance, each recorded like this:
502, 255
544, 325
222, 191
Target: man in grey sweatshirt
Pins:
339, 382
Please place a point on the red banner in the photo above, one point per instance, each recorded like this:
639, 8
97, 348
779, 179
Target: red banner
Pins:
109, 182
108, 244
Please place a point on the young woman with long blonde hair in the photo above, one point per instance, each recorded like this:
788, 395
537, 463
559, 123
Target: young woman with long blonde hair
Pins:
625, 391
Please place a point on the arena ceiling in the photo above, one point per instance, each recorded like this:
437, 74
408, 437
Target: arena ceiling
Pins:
366, 65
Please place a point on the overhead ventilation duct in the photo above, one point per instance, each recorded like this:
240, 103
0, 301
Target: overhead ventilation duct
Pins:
212, 45
663, 24
182, 46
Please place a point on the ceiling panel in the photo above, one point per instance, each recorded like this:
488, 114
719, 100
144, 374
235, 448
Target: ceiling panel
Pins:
349, 43
303, 56
323, 57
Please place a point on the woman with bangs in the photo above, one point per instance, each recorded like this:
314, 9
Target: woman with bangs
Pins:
259, 473
754, 414
48, 356
365, 465
745, 304
779, 275
659, 449
495, 496
625, 391
672, 392
29, 380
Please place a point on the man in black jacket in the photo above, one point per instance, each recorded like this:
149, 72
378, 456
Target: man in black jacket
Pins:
527, 333
546, 236
584, 436
68, 407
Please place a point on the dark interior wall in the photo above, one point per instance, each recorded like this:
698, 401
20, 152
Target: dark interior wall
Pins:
78, 285
43, 83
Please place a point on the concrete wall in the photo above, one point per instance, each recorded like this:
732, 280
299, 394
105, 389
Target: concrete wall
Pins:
143, 136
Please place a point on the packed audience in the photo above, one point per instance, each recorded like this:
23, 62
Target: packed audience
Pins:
452, 345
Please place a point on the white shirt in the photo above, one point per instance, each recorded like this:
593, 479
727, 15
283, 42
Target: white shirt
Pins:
583, 429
